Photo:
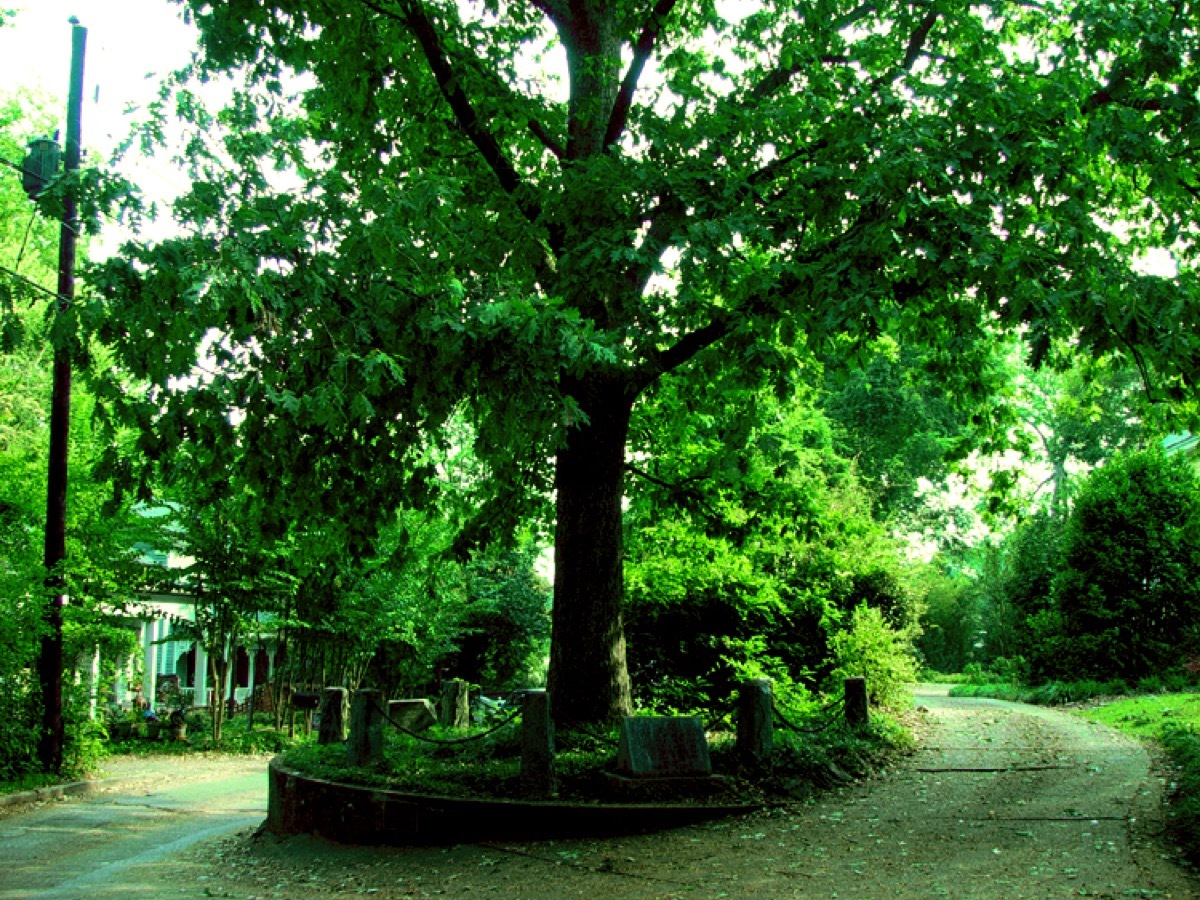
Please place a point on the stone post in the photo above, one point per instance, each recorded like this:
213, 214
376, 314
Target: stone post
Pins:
857, 714
365, 744
755, 722
335, 706
537, 745
455, 710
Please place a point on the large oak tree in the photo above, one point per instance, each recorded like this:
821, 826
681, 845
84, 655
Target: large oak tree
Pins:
530, 211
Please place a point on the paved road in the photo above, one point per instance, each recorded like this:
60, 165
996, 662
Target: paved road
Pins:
123, 841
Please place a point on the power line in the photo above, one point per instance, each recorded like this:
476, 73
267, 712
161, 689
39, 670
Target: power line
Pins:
29, 281
25, 240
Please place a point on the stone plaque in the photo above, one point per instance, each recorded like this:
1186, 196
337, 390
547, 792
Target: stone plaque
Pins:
415, 715
663, 747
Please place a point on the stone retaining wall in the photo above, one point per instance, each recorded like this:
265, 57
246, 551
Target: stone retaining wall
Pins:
299, 804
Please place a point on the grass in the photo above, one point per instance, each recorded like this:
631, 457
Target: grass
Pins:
30, 782
1145, 716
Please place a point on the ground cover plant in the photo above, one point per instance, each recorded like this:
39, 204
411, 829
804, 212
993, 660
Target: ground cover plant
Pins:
802, 763
236, 737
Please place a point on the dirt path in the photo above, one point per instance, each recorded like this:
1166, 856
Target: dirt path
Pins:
1003, 801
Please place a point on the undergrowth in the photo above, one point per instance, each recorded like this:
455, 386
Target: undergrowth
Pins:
490, 767
1056, 693
1182, 743
236, 737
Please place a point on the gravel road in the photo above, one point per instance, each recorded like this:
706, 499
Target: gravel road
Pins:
1001, 801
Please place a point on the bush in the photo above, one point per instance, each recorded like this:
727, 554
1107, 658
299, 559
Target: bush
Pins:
1050, 693
1128, 592
872, 650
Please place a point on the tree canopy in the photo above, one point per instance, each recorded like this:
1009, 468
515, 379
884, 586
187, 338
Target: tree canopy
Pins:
532, 211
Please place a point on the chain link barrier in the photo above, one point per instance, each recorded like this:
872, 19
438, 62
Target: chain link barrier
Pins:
448, 741
719, 715
832, 705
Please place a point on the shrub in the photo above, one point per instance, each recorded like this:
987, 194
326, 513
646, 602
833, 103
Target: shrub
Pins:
1128, 592
871, 649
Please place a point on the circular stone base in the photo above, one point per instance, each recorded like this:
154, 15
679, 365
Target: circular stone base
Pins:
352, 814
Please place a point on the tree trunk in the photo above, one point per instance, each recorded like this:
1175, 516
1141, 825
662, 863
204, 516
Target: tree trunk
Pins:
588, 679
217, 711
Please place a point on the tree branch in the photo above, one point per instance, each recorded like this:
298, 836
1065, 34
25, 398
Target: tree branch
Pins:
777, 78
1147, 381
555, 10
683, 350
460, 104
31, 283
772, 170
548, 140
1104, 97
916, 45
641, 53
859, 12
677, 490
665, 220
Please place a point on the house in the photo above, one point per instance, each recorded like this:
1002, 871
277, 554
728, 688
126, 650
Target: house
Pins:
173, 662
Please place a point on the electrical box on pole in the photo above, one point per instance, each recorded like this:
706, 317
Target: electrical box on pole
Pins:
40, 166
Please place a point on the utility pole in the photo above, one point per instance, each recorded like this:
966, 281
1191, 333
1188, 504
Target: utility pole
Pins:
50, 657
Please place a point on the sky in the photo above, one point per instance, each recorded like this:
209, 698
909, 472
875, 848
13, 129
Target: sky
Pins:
131, 46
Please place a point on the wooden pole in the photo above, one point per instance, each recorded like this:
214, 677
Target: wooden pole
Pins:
50, 655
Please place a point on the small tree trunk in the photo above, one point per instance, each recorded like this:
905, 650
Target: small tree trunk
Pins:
217, 711
588, 679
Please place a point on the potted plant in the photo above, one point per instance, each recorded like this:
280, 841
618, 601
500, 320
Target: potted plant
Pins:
121, 723
153, 725
177, 723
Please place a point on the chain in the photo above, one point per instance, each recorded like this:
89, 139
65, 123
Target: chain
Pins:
821, 712
464, 740
598, 738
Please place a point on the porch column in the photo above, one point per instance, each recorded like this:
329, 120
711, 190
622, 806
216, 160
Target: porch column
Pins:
230, 671
250, 675
94, 684
200, 692
150, 675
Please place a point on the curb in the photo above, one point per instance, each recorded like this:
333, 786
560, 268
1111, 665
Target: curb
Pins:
39, 795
